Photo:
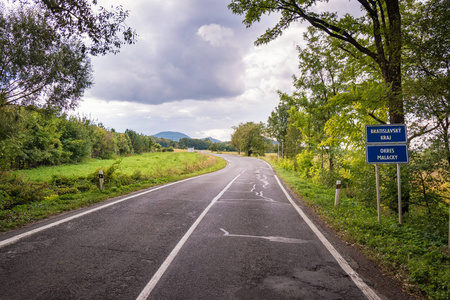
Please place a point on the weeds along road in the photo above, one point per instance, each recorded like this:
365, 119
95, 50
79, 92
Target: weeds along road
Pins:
233, 234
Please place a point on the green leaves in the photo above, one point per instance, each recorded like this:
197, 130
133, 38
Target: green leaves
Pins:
249, 138
39, 66
99, 30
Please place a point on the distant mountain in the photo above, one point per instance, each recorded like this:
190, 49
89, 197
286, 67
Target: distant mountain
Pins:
213, 140
171, 135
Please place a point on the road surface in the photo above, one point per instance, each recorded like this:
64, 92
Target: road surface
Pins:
233, 234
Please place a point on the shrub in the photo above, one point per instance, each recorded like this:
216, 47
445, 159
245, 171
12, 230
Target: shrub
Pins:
16, 191
305, 163
67, 190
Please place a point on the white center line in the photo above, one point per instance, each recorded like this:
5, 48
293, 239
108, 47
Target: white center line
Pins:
165, 265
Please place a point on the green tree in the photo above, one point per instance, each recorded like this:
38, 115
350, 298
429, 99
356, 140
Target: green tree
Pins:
100, 30
427, 69
139, 142
198, 144
39, 67
124, 143
277, 124
41, 143
281, 127
213, 147
249, 138
104, 142
76, 137
376, 35
11, 138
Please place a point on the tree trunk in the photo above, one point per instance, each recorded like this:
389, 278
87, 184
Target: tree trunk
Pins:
393, 76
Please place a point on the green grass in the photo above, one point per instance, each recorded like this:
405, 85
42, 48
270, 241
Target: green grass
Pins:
416, 257
151, 164
30, 195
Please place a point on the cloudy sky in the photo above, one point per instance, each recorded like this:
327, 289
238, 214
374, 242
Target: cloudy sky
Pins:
194, 70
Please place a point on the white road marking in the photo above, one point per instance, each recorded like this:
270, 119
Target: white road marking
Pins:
263, 180
370, 294
165, 265
255, 200
278, 239
16, 238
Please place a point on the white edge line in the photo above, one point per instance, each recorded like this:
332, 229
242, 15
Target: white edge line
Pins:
165, 265
16, 238
370, 294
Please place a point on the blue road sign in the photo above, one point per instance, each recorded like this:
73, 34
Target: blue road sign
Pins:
381, 134
387, 154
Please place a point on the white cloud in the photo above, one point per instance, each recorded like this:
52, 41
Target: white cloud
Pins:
216, 35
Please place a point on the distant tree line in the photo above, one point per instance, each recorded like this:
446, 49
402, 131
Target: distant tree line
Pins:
32, 137
205, 144
197, 144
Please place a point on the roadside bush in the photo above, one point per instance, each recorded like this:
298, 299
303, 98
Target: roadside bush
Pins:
5, 200
14, 190
67, 190
83, 185
62, 181
286, 163
305, 163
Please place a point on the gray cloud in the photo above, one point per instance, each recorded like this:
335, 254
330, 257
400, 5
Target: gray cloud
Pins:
177, 57
194, 70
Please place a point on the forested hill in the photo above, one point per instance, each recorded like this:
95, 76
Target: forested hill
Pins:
171, 135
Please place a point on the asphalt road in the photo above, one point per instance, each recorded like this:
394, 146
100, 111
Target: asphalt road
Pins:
232, 234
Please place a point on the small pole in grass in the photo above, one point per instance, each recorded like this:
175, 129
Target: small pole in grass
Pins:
100, 178
338, 188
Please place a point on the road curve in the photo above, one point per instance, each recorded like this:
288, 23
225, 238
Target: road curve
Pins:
232, 234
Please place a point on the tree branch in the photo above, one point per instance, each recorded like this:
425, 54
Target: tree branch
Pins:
328, 28
371, 114
422, 131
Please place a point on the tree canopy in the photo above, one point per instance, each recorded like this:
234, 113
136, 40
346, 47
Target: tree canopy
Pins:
38, 66
248, 137
100, 30
376, 35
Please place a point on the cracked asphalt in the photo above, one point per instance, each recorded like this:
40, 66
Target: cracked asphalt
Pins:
248, 243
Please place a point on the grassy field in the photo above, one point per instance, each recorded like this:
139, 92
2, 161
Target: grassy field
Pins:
417, 258
30, 195
156, 164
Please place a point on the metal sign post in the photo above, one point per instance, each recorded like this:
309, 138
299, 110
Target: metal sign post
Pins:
377, 182
399, 184
387, 144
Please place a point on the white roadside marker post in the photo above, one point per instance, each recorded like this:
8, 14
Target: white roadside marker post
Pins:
100, 178
338, 189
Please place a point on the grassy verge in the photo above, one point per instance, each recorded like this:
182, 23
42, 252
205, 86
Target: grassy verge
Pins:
419, 259
30, 195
